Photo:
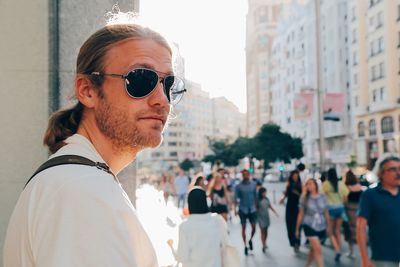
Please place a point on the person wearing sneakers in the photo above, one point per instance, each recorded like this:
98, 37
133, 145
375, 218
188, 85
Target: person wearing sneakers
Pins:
245, 200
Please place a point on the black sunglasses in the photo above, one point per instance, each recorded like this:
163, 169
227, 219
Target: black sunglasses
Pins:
141, 82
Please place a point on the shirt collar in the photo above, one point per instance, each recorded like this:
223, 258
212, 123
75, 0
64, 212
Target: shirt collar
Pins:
381, 189
79, 145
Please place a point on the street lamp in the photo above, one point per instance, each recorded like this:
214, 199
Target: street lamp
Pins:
319, 93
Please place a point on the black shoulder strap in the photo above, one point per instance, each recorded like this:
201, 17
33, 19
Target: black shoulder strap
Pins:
70, 159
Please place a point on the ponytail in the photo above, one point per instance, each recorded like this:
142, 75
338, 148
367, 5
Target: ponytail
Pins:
62, 124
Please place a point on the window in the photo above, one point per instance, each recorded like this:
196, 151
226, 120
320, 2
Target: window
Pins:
374, 95
173, 154
398, 45
399, 122
353, 13
372, 48
361, 129
381, 70
382, 94
372, 127
380, 45
354, 36
355, 58
398, 12
371, 23
172, 144
356, 101
387, 125
373, 73
355, 79
379, 19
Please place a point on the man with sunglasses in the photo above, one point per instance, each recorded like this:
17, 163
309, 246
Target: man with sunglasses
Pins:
380, 210
77, 215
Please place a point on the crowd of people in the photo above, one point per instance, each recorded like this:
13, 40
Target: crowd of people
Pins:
325, 208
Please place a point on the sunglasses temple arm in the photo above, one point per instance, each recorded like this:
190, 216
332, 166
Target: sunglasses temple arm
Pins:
179, 92
108, 74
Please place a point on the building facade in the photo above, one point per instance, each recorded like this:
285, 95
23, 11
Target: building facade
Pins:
228, 123
261, 22
294, 70
375, 82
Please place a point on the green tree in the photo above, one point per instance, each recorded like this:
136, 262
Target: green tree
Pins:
270, 144
221, 151
186, 165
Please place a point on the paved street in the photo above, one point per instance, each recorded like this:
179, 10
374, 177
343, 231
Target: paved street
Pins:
279, 253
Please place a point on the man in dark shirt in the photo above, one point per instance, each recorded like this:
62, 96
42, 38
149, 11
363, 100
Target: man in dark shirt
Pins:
380, 210
246, 196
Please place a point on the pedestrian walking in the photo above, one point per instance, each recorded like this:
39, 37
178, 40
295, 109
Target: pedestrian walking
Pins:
218, 194
380, 210
263, 207
336, 195
292, 193
181, 188
203, 236
313, 218
199, 181
79, 215
245, 200
351, 205
167, 186
303, 172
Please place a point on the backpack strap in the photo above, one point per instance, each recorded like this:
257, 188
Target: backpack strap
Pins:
70, 159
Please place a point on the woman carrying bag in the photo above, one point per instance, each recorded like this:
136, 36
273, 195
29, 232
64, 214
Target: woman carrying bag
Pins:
203, 236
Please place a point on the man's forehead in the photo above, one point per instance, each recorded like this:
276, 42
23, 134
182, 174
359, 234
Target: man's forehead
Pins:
392, 163
140, 53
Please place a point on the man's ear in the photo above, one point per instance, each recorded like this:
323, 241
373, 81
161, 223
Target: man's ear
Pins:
85, 92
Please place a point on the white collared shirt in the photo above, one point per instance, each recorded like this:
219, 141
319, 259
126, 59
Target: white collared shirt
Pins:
74, 215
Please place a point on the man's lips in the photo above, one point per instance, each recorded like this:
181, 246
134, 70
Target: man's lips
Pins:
160, 118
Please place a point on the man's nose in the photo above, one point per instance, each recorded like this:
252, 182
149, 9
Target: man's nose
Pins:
159, 97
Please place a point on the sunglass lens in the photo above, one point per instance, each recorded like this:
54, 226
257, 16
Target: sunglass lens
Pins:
174, 87
140, 82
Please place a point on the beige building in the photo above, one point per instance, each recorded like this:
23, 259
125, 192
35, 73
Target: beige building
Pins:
24, 88
375, 54
261, 22
228, 123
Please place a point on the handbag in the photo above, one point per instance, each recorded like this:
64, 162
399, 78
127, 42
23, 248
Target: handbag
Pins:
230, 256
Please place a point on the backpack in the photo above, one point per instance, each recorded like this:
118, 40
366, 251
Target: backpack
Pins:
69, 159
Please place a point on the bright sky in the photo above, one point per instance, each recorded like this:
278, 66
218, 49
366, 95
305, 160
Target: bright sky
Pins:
211, 38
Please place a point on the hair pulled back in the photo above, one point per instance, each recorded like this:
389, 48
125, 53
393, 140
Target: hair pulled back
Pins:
92, 57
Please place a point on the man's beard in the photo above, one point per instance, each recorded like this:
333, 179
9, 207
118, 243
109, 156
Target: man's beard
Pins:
123, 132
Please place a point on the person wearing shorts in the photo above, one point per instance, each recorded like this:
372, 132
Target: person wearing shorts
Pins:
336, 194
245, 199
313, 217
